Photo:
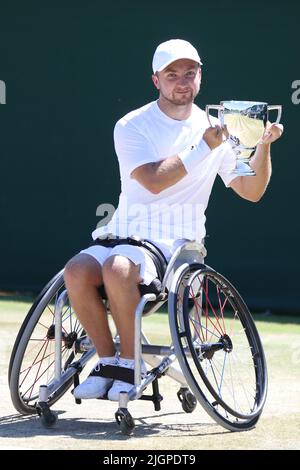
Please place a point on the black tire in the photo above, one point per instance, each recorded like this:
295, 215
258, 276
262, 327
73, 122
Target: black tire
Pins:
221, 365
32, 358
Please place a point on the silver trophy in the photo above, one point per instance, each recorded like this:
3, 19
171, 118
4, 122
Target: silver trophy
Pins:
246, 122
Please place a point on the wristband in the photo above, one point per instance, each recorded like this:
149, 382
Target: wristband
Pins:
191, 156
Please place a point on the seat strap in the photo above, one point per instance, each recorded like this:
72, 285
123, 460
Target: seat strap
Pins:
157, 256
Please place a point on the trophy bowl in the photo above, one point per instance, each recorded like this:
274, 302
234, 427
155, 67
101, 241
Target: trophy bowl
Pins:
246, 122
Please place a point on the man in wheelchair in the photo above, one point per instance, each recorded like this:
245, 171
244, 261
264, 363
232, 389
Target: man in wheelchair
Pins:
169, 159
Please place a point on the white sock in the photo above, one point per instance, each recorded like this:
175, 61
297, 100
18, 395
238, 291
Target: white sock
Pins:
123, 362
126, 362
108, 359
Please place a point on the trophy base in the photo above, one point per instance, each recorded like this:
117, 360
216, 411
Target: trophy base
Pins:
243, 169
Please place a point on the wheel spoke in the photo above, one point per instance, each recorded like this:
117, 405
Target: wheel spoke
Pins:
208, 302
39, 368
35, 365
222, 306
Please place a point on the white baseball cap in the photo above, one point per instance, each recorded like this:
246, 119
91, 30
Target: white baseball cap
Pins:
174, 49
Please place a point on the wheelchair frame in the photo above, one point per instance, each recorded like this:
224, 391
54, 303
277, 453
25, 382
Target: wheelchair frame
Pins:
191, 349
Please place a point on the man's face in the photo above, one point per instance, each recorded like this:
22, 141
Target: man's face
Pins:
179, 82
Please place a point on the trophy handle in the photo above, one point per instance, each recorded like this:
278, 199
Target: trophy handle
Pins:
279, 109
212, 106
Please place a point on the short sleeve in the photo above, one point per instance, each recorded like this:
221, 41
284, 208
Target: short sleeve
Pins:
228, 164
132, 147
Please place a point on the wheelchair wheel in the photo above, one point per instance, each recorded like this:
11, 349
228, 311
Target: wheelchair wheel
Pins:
217, 346
32, 360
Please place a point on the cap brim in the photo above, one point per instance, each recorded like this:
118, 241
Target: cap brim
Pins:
174, 60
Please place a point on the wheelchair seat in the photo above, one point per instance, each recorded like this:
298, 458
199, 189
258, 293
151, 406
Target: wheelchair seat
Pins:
158, 258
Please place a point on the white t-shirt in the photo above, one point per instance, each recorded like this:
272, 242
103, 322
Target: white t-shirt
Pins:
148, 135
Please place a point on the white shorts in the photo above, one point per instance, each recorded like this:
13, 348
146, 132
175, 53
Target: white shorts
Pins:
136, 254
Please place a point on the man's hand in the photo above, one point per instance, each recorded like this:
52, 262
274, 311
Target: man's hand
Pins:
272, 133
213, 136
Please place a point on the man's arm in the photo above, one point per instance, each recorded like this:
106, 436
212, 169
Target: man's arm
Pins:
158, 176
252, 188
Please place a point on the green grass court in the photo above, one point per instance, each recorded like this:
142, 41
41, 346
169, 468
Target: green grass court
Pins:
280, 333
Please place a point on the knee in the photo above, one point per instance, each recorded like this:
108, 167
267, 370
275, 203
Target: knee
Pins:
112, 271
82, 270
119, 271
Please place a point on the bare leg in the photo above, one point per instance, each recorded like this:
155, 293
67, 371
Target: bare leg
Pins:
121, 278
83, 276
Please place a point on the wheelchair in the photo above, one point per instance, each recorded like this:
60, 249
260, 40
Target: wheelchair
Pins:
220, 358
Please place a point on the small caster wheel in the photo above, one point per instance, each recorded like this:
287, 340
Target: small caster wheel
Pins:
127, 425
48, 419
189, 403
187, 399
125, 421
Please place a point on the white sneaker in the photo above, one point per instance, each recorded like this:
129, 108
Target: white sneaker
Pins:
95, 386
119, 385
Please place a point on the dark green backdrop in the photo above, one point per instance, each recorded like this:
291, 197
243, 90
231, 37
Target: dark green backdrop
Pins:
72, 68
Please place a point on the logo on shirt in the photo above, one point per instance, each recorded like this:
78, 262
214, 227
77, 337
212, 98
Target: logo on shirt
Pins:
154, 221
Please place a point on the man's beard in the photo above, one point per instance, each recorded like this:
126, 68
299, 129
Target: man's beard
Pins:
185, 99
